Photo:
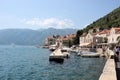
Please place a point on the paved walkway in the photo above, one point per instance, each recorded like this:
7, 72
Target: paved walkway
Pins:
109, 72
113, 68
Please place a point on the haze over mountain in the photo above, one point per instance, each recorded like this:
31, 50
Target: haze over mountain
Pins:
30, 37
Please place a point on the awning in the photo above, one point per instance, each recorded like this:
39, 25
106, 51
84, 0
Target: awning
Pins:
103, 43
84, 44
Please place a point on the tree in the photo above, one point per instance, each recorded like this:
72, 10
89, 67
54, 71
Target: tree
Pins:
78, 34
110, 20
105, 40
118, 39
94, 31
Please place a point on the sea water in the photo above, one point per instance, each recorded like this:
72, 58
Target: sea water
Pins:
31, 63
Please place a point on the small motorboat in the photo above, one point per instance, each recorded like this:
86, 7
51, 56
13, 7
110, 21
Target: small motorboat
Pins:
91, 54
65, 52
79, 53
52, 48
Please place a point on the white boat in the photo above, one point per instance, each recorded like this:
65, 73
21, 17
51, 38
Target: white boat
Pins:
74, 50
79, 53
90, 54
52, 47
65, 51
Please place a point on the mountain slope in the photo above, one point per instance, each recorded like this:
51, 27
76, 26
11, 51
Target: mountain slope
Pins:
110, 20
29, 37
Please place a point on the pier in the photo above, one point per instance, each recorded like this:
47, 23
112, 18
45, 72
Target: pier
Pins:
59, 54
56, 56
111, 70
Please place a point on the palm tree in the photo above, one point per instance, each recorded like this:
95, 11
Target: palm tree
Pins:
118, 39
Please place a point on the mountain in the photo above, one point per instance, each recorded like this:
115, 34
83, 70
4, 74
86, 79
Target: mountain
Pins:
30, 37
110, 20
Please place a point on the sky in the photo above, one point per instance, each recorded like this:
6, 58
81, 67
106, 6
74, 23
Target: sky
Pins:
37, 14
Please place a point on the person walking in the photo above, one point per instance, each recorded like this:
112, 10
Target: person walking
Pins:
117, 52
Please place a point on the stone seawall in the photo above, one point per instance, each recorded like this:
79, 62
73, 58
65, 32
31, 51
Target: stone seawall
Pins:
109, 72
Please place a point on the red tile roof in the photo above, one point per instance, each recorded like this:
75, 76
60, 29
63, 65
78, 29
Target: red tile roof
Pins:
72, 35
67, 37
93, 34
104, 32
117, 30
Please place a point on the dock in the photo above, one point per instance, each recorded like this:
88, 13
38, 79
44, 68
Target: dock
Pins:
110, 71
56, 56
59, 54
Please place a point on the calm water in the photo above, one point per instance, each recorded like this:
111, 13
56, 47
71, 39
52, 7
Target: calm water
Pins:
31, 63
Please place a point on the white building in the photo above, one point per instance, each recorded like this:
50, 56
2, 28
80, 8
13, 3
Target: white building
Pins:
86, 39
114, 33
99, 37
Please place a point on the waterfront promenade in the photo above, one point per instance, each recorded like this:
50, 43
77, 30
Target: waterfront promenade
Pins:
110, 71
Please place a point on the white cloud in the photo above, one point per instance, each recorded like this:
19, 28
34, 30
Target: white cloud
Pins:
50, 22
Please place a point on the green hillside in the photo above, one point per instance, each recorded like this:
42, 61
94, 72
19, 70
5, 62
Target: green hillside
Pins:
110, 20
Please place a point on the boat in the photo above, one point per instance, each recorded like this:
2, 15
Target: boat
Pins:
74, 51
88, 54
79, 53
91, 55
52, 47
65, 51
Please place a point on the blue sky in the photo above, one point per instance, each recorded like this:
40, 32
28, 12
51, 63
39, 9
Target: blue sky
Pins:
36, 14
